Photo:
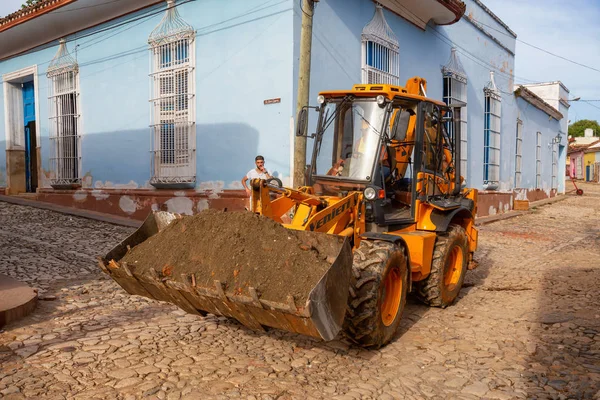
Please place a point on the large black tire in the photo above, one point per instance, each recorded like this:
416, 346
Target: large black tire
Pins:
373, 315
448, 269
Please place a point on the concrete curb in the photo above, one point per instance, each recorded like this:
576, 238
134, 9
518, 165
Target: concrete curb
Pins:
511, 214
111, 219
17, 300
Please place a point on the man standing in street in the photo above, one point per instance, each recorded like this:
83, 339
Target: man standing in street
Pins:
260, 172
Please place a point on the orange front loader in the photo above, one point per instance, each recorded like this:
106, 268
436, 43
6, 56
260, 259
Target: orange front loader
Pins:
384, 194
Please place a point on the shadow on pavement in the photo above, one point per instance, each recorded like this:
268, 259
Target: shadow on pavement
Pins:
564, 360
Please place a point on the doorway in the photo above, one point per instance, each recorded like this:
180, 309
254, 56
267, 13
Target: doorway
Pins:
22, 127
30, 137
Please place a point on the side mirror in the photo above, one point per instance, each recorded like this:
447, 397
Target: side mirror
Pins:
400, 125
302, 122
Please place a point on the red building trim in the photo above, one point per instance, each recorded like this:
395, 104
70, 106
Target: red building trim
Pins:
24, 15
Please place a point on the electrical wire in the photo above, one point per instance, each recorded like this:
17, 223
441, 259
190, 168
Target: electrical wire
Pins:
590, 104
302, 8
481, 62
534, 46
464, 51
74, 37
85, 7
145, 17
159, 11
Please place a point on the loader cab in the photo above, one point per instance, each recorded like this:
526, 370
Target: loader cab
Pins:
382, 145
348, 143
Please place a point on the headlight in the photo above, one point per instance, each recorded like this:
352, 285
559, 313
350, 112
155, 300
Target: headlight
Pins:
320, 99
370, 193
380, 100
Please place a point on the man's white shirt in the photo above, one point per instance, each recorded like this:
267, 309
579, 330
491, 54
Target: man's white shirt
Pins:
254, 174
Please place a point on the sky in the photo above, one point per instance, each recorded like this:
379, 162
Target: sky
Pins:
566, 28
9, 6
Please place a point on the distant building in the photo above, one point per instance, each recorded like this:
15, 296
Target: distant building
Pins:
127, 106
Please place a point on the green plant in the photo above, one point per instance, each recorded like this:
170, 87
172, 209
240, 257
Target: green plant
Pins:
578, 128
29, 3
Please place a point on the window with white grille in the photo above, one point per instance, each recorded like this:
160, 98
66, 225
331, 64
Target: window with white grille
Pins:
554, 165
64, 120
492, 121
538, 161
518, 153
380, 51
172, 46
455, 91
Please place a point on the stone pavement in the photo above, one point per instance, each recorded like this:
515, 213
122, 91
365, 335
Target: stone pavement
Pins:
526, 326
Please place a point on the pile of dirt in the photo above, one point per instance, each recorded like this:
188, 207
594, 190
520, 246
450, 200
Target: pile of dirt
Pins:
240, 249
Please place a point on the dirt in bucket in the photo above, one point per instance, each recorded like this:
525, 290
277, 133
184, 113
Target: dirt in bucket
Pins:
240, 249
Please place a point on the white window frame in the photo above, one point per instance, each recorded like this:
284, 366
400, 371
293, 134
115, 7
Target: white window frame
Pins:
383, 66
538, 160
173, 105
554, 165
380, 52
518, 153
455, 90
492, 130
65, 128
13, 107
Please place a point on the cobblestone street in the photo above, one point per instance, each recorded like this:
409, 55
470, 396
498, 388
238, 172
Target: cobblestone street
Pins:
526, 326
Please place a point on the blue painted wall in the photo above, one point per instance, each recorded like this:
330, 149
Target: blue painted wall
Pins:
246, 52
535, 120
336, 64
244, 55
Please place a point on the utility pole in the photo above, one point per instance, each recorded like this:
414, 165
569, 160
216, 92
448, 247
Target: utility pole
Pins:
307, 9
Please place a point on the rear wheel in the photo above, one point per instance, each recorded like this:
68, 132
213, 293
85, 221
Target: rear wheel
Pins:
448, 268
378, 291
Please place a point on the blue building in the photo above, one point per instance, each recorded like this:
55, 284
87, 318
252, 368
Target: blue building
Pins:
136, 105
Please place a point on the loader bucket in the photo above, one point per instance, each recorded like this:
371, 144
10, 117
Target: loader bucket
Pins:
321, 315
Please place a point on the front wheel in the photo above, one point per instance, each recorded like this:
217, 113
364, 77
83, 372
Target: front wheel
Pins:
448, 268
378, 292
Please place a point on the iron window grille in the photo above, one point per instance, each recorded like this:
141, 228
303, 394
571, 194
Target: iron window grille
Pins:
518, 153
380, 51
492, 126
538, 161
65, 120
172, 46
554, 165
455, 90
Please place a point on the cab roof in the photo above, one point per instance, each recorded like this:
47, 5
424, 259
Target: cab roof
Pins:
373, 90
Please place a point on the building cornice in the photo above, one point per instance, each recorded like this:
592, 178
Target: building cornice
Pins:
421, 12
31, 12
498, 20
538, 102
458, 7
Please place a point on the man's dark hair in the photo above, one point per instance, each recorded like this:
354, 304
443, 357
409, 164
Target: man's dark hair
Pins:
261, 158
